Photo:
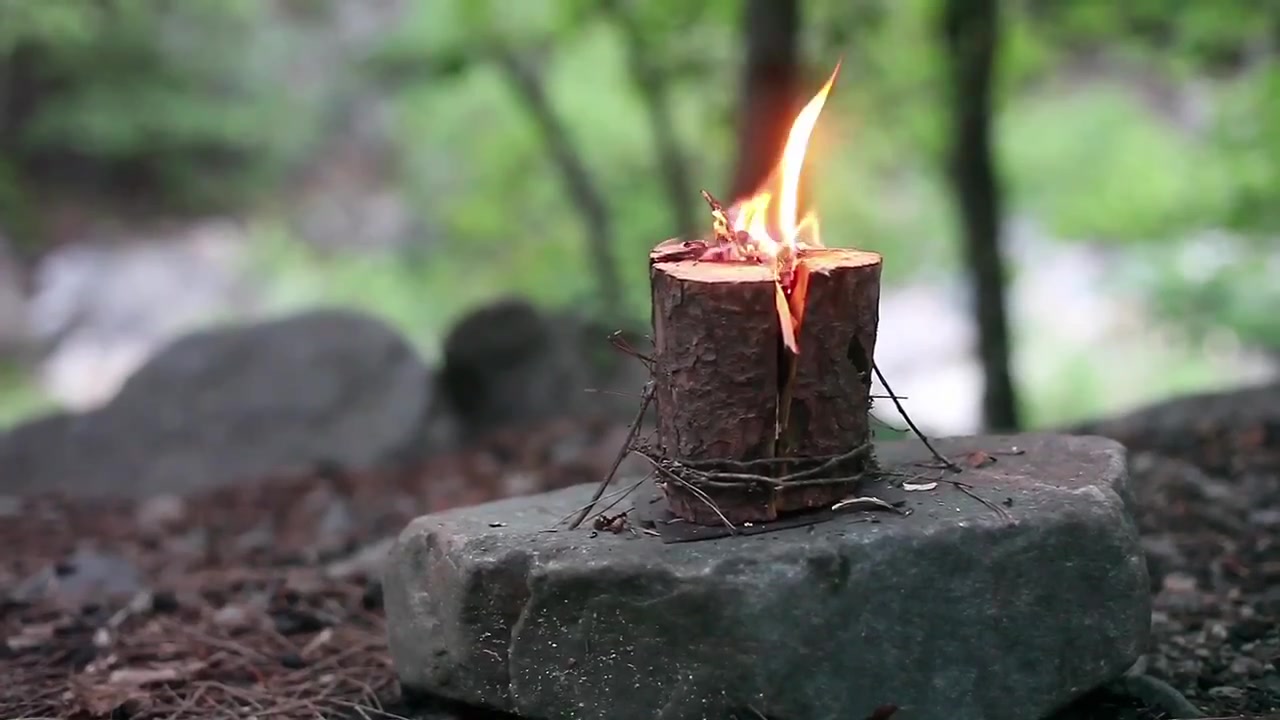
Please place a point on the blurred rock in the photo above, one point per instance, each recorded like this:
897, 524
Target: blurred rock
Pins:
88, 575
1228, 433
509, 364
160, 513
238, 403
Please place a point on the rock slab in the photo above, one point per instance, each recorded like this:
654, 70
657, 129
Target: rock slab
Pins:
952, 612
237, 403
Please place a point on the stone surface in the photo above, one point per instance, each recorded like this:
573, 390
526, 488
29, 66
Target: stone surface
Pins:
1231, 433
949, 612
510, 364
237, 403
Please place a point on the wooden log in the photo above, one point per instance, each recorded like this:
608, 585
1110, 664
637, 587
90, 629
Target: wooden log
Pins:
725, 384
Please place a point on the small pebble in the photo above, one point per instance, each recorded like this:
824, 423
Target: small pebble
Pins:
371, 599
1223, 692
1246, 667
1178, 582
231, 616
164, 601
160, 512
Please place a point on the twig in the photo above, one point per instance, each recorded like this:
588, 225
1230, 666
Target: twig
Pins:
621, 491
620, 343
623, 451
697, 492
625, 492
910, 423
967, 489
706, 499
615, 393
708, 471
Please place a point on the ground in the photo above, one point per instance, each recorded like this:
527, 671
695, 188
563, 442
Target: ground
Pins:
258, 600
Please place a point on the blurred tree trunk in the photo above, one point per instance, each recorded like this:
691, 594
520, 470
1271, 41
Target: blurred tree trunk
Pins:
652, 85
970, 29
770, 89
581, 187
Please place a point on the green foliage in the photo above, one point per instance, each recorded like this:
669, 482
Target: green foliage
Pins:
1247, 138
149, 86
1096, 164
20, 398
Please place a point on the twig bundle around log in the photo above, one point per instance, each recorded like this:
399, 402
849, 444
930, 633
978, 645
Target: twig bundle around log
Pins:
733, 399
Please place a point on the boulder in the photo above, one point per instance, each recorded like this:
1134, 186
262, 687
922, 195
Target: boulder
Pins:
236, 403
1001, 608
510, 364
1227, 432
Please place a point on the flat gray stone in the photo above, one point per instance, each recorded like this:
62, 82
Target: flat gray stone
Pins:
950, 612
236, 404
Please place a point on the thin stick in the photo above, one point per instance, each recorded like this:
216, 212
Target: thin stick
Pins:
623, 451
710, 468
623, 495
706, 499
620, 343
611, 496
911, 424
967, 489
672, 477
697, 492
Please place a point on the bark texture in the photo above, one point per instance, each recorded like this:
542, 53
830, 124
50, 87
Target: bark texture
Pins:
715, 335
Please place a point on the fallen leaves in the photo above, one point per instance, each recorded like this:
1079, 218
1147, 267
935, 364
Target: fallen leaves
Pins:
978, 459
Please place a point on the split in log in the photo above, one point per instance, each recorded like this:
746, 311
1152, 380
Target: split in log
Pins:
727, 388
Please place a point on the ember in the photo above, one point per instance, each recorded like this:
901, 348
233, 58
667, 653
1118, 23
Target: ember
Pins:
730, 315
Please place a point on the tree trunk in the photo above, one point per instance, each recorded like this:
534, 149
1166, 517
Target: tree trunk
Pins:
581, 187
651, 83
970, 28
770, 95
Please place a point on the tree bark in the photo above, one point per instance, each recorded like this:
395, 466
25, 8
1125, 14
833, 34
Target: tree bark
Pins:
581, 187
970, 29
651, 83
770, 96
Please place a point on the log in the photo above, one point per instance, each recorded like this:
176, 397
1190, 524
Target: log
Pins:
725, 384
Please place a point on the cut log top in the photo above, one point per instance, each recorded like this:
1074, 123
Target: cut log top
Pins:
715, 272
820, 260
827, 259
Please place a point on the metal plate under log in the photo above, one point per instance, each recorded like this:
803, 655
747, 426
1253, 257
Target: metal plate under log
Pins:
650, 511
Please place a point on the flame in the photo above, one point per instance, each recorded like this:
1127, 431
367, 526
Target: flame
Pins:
751, 215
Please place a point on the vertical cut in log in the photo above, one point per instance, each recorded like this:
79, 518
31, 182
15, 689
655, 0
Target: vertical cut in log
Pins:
727, 389
831, 391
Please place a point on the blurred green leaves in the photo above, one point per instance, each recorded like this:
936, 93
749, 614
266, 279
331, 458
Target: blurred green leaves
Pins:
173, 89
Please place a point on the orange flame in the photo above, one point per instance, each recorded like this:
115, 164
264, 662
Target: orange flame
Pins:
751, 214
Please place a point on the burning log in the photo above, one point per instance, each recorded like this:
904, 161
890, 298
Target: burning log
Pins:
762, 367
747, 421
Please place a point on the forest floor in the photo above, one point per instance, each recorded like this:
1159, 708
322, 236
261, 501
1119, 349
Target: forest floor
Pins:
263, 600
